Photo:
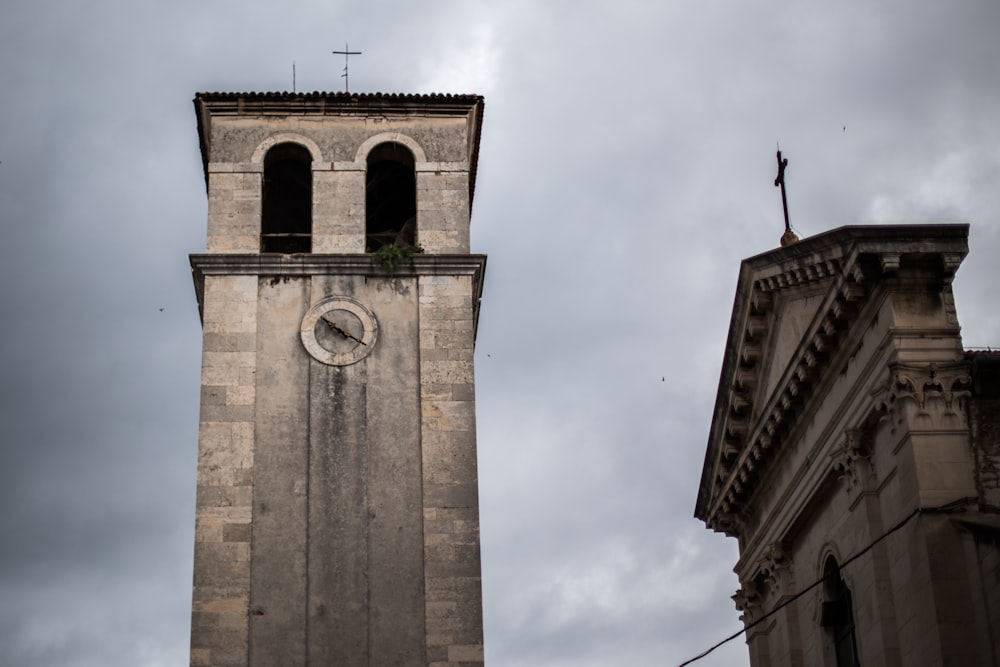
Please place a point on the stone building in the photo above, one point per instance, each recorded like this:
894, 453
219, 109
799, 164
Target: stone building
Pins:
337, 509
854, 452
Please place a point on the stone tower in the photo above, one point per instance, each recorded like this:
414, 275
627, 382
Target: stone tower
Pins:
337, 511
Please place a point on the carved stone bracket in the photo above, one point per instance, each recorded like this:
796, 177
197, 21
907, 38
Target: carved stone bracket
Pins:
890, 261
951, 261
852, 459
932, 391
775, 569
748, 603
729, 521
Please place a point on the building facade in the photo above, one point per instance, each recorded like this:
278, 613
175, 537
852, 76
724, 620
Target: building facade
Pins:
854, 452
337, 508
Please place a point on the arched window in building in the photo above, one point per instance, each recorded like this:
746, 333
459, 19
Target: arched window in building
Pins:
838, 616
286, 215
390, 197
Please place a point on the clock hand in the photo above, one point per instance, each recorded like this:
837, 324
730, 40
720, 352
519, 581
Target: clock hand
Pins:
348, 334
342, 332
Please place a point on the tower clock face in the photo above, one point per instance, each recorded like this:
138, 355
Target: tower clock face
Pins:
339, 331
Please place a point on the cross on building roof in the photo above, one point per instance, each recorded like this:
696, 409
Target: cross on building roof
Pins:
347, 53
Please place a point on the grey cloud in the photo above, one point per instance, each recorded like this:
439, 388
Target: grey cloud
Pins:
626, 168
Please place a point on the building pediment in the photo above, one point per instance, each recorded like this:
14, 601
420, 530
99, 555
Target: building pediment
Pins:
793, 306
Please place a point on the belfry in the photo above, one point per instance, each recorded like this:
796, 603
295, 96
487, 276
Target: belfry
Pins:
337, 517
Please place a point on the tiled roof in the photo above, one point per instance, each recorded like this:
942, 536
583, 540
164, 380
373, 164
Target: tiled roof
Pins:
341, 94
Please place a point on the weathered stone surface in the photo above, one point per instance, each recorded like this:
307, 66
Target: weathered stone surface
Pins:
451, 495
337, 514
842, 435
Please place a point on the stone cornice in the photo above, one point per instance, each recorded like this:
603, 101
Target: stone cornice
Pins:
334, 103
307, 264
849, 261
946, 384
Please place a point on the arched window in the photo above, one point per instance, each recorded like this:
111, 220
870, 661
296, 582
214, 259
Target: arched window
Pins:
838, 616
390, 197
286, 216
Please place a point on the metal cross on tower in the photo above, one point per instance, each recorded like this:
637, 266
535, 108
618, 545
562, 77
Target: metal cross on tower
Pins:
347, 53
789, 236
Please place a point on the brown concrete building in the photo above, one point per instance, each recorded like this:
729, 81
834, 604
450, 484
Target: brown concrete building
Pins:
337, 512
855, 454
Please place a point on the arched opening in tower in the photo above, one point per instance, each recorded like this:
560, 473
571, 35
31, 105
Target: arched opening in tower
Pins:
390, 197
286, 215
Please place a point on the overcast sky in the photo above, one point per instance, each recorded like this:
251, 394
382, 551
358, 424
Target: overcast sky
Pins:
627, 167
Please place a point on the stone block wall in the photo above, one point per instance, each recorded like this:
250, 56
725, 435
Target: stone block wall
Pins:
339, 208
234, 206
443, 207
338, 513
450, 484
225, 470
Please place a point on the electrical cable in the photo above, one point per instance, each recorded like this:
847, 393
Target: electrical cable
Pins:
957, 505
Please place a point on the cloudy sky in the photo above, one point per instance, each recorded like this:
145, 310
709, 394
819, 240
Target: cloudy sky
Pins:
627, 167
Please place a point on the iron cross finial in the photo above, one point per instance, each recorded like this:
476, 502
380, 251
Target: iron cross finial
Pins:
789, 236
347, 53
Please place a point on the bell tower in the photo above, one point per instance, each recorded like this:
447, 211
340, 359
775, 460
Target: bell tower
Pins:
337, 517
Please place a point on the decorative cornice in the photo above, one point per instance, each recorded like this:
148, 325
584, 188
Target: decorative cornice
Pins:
334, 103
850, 261
923, 386
753, 443
307, 264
